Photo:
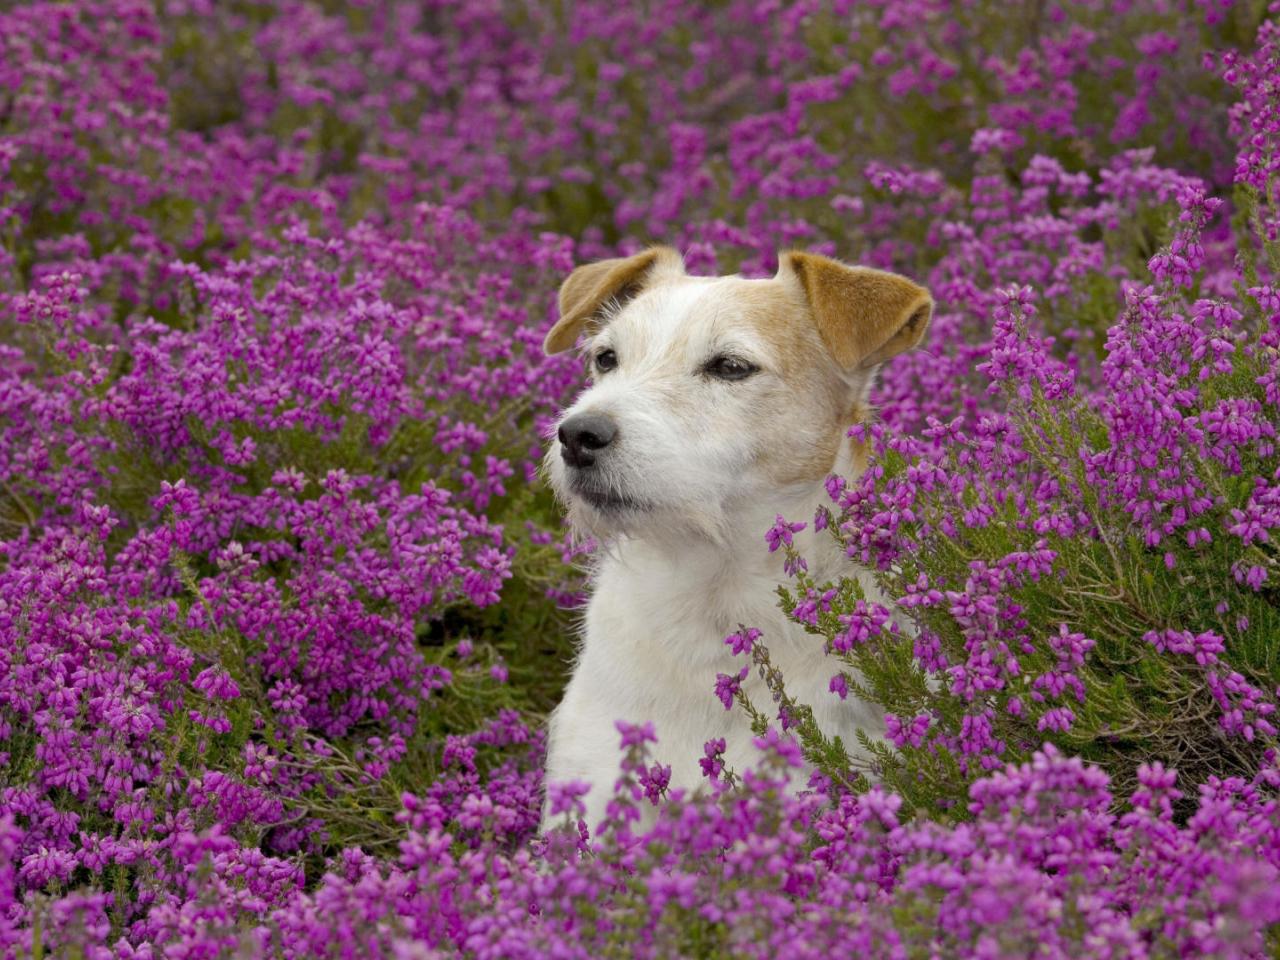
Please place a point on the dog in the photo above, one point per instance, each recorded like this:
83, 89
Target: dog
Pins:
716, 404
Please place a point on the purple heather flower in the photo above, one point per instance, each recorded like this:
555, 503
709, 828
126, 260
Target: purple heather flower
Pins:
742, 641
727, 686
781, 533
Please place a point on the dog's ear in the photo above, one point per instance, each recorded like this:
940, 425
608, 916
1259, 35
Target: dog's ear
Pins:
593, 285
864, 316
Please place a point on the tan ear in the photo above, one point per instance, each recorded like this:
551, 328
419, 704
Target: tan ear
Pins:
864, 316
591, 286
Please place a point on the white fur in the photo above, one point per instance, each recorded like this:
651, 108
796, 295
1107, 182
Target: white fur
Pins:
681, 571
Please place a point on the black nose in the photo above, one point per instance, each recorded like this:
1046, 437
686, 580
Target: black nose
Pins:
583, 435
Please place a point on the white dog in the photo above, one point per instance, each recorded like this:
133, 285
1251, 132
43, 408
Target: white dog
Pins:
717, 403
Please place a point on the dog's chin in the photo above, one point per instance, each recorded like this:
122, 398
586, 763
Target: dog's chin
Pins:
601, 511
611, 514
609, 508
610, 504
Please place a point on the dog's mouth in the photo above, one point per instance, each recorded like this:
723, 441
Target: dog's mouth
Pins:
605, 500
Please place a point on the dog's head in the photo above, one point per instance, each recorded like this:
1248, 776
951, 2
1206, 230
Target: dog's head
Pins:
712, 393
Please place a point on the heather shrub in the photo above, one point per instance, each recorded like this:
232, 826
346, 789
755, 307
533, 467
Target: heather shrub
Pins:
722, 877
752, 103
278, 472
283, 602
1088, 562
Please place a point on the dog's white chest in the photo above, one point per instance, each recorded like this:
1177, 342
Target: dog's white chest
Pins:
653, 645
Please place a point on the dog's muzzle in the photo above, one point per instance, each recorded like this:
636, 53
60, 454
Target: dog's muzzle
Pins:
583, 436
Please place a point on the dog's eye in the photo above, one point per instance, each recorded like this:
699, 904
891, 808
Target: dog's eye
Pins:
729, 368
605, 360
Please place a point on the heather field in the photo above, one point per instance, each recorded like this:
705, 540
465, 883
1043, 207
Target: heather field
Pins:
284, 601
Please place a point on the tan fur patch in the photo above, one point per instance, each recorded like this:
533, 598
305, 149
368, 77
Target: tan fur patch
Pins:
779, 314
864, 316
591, 286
